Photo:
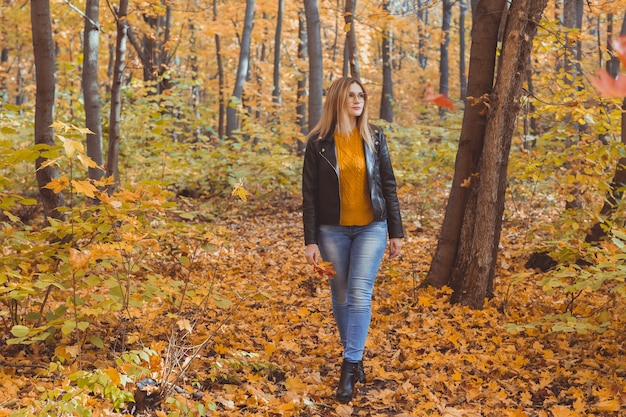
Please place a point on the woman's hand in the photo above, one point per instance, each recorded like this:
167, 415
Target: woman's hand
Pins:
395, 247
312, 254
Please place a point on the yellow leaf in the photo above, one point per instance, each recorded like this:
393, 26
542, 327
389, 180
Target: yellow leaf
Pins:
58, 184
344, 410
239, 191
270, 348
11, 216
113, 374
47, 163
72, 146
466, 182
346, 27
185, 324
607, 405
78, 259
86, 161
85, 187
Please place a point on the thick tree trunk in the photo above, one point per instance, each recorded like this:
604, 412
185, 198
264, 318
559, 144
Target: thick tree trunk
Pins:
115, 114
316, 68
232, 120
386, 101
474, 268
43, 47
352, 55
91, 95
480, 82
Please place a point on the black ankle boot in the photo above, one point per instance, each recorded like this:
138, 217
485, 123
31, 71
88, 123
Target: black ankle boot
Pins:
361, 373
349, 375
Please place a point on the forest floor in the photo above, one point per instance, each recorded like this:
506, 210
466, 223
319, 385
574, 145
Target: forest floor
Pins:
275, 350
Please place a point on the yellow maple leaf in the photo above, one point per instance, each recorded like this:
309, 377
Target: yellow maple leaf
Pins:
607, 405
71, 146
85, 187
78, 259
58, 184
239, 191
86, 161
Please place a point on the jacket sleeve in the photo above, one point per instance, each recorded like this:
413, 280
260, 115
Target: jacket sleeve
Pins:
310, 194
388, 180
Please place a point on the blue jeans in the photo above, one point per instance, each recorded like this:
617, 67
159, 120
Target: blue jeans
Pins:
356, 253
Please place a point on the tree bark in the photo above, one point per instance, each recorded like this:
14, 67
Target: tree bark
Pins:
232, 121
302, 76
43, 47
221, 128
316, 68
91, 95
444, 61
479, 86
386, 100
462, 76
277, 41
615, 193
115, 114
353, 56
474, 268
422, 41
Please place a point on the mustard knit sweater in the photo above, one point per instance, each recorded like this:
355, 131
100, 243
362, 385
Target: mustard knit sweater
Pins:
356, 205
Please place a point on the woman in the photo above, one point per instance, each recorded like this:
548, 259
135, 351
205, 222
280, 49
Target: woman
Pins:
350, 205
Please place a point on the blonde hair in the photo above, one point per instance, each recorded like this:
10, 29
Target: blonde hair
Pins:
335, 115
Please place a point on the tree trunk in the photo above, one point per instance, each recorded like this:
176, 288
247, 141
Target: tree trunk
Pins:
353, 56
232, 121
462, 76
486, 23
43, 47
615, 193
444, 61
90, 88
116, 94
386, 101
316, 68
221, 128
277, 41
302, 76
422, 40
474, 269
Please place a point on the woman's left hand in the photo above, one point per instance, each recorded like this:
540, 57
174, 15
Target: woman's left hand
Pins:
395, 247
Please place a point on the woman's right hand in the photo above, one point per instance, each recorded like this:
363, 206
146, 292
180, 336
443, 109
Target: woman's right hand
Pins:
312, 254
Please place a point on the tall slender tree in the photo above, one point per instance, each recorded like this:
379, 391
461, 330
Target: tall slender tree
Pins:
301, 94
386, 100
43, 47
91, 96
351, 45
115, 113
221, 117
232, 120
277, 41
316, 68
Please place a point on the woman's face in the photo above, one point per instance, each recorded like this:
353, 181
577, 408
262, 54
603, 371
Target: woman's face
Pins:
356, 100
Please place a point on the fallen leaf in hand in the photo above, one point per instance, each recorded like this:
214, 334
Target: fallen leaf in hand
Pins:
325, 268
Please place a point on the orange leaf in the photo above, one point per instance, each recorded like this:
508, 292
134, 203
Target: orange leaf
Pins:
325, 268
438, 99
608, 86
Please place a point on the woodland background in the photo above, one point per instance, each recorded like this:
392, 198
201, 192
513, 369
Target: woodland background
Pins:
167, 276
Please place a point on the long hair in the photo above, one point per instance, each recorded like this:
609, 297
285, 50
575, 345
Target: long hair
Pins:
335, 116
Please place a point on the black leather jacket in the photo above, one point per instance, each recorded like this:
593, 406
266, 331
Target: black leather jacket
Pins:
320, 186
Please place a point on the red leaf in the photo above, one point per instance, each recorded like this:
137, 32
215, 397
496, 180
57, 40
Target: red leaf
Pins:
619, 47
608, 86
438, 99
325, 268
